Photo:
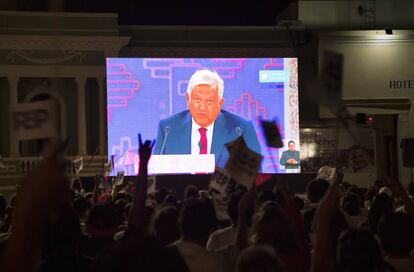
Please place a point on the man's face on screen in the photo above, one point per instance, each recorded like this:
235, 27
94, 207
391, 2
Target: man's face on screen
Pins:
204, 104
291, 146
359, 158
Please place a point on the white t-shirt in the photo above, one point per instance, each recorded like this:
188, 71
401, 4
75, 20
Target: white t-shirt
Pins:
221, 238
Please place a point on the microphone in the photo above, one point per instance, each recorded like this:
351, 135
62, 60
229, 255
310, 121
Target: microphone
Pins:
200, 145
166, 131
238, 131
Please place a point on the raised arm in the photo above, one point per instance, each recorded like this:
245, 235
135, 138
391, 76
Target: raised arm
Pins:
137, 215
323, 254
245, 207
42, 190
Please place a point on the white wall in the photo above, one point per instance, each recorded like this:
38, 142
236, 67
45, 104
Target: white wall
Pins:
371, 60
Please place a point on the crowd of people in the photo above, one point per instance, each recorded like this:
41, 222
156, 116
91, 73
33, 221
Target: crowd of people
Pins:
53, 225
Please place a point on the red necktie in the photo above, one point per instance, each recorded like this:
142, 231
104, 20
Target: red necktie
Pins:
203, 140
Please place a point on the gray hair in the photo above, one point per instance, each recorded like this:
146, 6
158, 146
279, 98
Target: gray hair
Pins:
206, 77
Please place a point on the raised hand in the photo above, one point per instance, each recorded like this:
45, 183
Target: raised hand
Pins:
145, 150
41, 191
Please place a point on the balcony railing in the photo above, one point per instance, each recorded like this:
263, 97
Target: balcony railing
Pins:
17, 167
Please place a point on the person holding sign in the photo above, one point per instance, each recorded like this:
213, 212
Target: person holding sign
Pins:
204, 128
290, 158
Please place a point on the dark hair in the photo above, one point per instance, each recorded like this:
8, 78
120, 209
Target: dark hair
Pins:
291, 142
271, 226
123, 195
191, 191
361, 192
357, 147
171, 199
299, 202
358, 250
396, 233
164, 225
351, 203
77, 185
266, 195
63, 236
81, 205
197, 220
381, 205
103, 216
259, 258
160, 195
317, 189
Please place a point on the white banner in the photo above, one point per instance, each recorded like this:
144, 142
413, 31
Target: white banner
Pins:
178, 164
35, 120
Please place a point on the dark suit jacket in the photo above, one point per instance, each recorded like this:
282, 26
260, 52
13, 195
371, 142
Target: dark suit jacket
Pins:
286, 155
227, 127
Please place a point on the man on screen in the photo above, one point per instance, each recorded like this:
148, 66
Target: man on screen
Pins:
290, 158
204, 128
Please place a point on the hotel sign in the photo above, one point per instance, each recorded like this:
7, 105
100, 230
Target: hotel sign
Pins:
401, 84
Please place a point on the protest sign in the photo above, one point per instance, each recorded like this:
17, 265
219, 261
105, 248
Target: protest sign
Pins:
108, 167
219, 180
238, 142
326, 173
243, 163
218, 186
119, 180
272, 134
151, 185
77, 165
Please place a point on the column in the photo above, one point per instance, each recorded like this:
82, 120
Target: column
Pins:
81, 85
102, 114
13, 100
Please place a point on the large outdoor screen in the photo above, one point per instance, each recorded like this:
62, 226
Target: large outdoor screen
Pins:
197, 105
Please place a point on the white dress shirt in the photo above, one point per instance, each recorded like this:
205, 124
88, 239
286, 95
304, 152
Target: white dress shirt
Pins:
195, 137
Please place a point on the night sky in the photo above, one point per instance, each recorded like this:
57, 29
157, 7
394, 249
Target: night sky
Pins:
166, 12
